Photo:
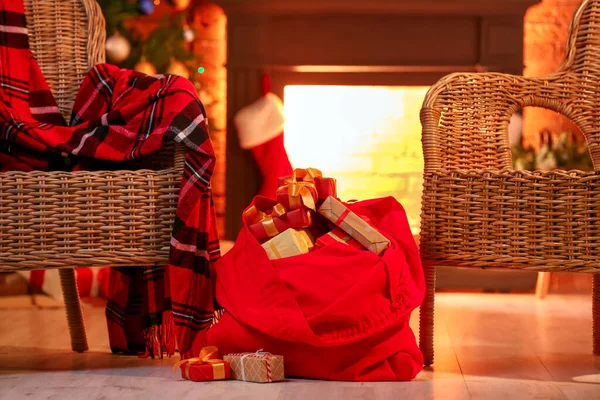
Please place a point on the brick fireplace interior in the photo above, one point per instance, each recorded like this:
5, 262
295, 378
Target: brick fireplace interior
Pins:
368, 136
352, 75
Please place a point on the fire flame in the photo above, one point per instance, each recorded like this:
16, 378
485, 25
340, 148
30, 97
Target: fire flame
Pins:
368, 137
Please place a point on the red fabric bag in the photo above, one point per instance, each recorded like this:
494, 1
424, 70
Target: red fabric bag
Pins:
336, 313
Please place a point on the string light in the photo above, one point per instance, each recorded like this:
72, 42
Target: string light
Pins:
156, 2
201, 70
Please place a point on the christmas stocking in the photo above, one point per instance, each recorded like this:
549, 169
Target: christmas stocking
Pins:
260, 130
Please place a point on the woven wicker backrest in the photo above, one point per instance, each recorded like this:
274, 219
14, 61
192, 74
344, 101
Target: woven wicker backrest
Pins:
465, 116
67, 38
477, 211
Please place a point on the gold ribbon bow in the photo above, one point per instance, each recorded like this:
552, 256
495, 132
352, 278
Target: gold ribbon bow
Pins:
307, 174
299, 186
303, 175
253, 216
208, 355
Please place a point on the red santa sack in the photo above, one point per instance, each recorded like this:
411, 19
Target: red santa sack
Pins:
335, 313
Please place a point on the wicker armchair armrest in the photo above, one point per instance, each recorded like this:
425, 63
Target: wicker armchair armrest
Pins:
71, 219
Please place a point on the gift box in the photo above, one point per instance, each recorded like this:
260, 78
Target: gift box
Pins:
337, 235
266, 218
308, 239
256, 367
207, 367
273, 226
355, 226
310, 178
296, 195
302, 175
325, 187
206, 372
262, 209
290, 243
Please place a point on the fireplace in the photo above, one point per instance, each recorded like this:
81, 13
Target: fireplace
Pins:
352, 75
369, 139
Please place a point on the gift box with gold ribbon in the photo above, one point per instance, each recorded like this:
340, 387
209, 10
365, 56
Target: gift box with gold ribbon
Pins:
290, 243
306, 187
258, 367
207, 367
338, 235
266, 218
336, 212
272, 227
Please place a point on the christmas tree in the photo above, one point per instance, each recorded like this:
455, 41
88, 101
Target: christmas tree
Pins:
136, 41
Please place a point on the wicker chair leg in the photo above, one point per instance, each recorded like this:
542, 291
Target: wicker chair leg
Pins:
596, 313
426, 316
74, 313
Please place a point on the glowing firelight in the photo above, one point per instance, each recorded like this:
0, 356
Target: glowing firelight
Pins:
368, 137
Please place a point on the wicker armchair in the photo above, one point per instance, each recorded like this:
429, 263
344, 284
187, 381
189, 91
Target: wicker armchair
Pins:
477, 211
68, 220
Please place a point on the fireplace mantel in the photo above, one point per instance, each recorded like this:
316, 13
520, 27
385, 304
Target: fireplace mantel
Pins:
355, 42
480, 7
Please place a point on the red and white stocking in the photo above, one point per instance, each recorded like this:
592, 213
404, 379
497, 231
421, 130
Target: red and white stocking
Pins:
260, 130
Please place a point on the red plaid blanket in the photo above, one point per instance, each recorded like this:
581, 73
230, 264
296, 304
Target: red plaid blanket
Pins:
120, 115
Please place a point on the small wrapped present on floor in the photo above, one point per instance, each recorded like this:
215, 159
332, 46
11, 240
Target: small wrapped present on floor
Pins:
355, 226
206, 367
305, 188
259, 367
337, 235
266, 218
290, 243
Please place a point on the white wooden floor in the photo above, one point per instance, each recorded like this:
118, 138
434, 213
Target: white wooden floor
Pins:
488, 346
